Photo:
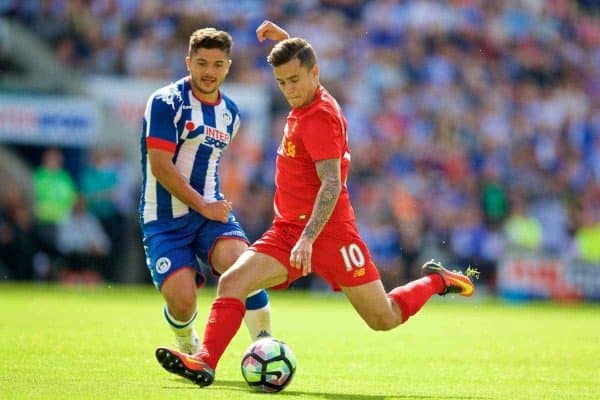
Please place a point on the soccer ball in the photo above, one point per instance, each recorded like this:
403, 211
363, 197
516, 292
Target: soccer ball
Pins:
268, 365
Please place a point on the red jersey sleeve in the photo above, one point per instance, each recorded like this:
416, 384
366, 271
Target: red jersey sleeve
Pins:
322, 136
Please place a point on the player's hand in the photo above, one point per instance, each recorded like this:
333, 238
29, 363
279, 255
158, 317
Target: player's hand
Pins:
217, 210
301, 255
270, 30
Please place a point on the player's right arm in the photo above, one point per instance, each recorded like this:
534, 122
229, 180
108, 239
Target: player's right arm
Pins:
161, 164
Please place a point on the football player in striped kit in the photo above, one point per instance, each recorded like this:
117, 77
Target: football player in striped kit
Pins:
184, 217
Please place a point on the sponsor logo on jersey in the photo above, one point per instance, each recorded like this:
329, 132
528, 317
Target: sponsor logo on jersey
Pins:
213, 137
163, 264
216, 138
217, 134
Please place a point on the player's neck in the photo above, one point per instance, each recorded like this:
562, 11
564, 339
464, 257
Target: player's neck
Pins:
207, 98
312, 98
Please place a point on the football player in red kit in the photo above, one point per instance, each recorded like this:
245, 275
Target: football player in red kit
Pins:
314, 226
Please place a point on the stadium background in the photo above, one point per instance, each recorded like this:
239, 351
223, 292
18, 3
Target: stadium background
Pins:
474, 129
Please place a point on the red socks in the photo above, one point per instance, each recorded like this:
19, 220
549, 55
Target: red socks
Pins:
224, 320
412, 296
227, 313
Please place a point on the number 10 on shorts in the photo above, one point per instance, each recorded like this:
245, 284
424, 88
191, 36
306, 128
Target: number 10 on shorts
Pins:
353, 256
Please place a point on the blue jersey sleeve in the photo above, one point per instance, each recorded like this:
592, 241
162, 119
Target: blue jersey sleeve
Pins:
161, 115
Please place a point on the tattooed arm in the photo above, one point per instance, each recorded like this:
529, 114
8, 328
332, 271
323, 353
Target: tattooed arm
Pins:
327, 197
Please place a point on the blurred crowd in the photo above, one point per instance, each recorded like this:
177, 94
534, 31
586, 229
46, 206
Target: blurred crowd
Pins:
474, 124
67, 225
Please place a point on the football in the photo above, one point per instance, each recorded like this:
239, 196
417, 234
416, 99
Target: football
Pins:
268, 365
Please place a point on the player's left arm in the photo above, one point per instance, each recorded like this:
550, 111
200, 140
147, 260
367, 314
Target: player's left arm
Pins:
329, 173
272, 31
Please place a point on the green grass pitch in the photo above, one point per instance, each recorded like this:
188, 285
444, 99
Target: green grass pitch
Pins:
98, 343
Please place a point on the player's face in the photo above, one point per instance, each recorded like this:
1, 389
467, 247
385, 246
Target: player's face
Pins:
297, 83
208, 69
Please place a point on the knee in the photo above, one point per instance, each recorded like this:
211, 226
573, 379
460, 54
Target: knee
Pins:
381, 323
227, 283
182, 305
226, 252
223, 262
231, 284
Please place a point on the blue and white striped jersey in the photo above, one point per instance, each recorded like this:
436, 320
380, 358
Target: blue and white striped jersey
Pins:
196, 133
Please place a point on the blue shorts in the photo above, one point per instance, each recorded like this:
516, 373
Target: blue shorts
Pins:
181, 242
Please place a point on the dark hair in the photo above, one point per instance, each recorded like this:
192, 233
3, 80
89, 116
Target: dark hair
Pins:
210, 38
288, 49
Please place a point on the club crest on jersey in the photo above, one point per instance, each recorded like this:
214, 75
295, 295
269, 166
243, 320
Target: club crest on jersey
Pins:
163, 264
226, 117
289, 148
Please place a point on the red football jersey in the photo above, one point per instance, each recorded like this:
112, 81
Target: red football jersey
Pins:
317, 131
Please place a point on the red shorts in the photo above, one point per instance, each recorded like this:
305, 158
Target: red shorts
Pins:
339, 255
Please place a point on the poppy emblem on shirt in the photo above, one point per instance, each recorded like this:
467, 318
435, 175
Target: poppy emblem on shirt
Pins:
189, 125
